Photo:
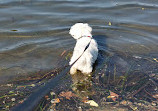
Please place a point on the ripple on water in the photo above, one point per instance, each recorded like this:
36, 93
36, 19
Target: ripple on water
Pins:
34, 33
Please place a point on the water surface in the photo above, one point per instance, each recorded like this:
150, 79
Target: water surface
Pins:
34, 33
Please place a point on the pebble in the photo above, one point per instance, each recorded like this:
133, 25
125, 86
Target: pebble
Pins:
3, 102
33, 85
13, 99
109, 23
52, 93
140, 104
79, 108
124, 102
54, 101
92, 103
153, 104
10, 85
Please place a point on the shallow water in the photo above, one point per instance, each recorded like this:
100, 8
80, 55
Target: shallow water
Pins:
34, 33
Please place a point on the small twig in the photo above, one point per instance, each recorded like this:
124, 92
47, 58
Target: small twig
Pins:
7, 96
114, 72
153, 82
46, 105
108, 79
63, 53
45, 75
10, 55
55, 71
131, 95
148, 93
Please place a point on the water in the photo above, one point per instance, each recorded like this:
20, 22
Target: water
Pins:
34, 33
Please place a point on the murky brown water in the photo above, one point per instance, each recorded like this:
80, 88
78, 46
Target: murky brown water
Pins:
33, 33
